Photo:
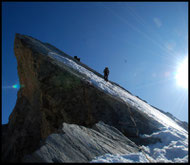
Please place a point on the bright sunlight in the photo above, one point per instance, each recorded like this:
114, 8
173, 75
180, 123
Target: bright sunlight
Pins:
182, 74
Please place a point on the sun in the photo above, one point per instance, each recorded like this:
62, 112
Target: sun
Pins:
182, 74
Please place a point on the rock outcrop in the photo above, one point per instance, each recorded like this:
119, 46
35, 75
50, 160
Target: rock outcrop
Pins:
52, 94
75, 143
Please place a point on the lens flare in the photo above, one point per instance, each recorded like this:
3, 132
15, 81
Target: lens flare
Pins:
17, 86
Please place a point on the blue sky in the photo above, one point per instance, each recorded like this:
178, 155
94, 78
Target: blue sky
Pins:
142, 43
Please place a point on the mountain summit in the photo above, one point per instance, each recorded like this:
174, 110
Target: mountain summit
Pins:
67, 112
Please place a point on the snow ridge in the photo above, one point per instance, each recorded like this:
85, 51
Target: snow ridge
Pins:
174, 145
118, 92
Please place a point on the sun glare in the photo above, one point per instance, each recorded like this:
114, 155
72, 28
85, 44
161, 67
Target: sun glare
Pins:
182, 74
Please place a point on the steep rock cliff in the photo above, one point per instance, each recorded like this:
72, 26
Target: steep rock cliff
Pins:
52, 93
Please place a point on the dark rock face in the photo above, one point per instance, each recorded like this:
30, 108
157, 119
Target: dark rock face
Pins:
54, 94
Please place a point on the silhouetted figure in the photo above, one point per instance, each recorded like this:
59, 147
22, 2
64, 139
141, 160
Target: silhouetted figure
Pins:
75, 57
106, 73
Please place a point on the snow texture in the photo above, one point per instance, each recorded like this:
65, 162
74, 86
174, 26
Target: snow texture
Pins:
130, 158
174, 145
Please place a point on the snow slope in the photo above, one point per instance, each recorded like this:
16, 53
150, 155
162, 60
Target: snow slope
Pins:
174, 146
118, 92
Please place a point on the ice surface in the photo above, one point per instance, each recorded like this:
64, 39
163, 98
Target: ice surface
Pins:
130, 158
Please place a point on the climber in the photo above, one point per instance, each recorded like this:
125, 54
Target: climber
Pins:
75, 57
106, 73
